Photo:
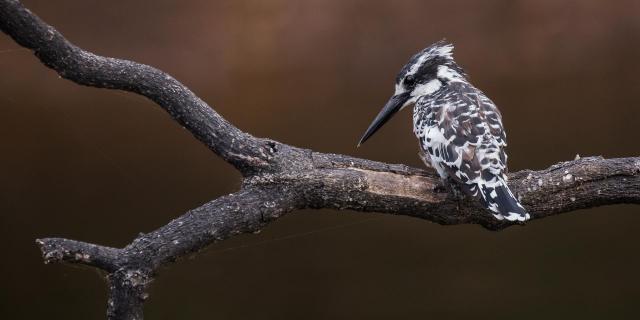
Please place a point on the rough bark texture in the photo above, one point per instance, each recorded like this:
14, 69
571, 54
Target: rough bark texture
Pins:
279, 178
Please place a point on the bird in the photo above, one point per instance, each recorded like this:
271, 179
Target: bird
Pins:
458, 127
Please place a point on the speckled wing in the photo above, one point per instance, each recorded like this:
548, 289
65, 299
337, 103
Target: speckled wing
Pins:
461, 131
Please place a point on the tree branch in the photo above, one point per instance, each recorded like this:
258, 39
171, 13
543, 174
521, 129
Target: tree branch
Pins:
236, 147
279, 178
71, 251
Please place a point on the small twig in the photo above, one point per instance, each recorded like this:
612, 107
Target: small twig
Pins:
71, 251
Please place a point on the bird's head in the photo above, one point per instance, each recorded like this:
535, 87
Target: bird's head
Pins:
424, 74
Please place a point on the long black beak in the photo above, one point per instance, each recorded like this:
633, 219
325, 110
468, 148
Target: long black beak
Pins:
393, 105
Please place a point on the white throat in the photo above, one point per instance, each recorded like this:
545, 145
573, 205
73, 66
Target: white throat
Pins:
426, 89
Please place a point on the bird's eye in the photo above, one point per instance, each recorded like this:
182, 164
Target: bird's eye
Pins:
409, 81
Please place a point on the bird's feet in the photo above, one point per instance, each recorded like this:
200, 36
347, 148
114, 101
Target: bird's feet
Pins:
441, 188
449, 186
454, 188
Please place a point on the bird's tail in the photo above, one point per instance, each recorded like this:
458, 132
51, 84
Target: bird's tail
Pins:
498, 198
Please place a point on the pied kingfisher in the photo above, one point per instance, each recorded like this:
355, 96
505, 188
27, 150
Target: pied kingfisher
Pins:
459, 129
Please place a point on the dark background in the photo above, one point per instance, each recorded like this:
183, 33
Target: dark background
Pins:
101, 166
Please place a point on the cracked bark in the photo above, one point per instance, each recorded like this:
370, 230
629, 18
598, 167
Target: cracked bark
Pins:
279, 178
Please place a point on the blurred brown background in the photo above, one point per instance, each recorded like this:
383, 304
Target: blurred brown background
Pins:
101, 166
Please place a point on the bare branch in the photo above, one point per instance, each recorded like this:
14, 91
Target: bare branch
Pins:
279, 178
71, 251
127, 293
245, 211
238, 148
363, 185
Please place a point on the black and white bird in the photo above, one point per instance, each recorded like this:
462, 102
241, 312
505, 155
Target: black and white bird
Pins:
460, 129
